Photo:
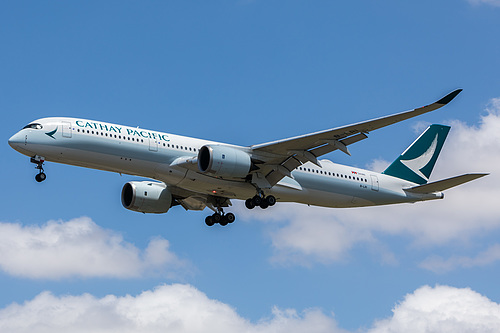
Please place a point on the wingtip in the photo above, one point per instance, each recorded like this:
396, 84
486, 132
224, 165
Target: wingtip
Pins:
448, 98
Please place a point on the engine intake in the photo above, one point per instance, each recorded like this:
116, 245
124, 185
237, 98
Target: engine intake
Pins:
146, 197
224, 161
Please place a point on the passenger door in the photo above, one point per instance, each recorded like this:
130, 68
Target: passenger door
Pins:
66, 129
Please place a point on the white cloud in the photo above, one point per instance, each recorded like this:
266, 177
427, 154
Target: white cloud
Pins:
182, 308
495, 3
438, 264
328, 234
442, 309
168, 308
79, 248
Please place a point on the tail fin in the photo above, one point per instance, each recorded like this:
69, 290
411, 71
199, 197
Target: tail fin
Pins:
415, 164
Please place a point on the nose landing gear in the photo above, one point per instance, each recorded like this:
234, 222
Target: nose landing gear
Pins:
38, 160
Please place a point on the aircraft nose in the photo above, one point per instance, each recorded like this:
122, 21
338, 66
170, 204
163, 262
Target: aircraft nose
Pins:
17, 140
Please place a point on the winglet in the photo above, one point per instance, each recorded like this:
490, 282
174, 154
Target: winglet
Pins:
448, 98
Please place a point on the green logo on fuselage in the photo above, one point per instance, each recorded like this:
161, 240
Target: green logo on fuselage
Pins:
51, 134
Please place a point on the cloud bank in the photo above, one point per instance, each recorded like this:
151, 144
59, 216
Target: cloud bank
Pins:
168, 308
312, 234
442, 309
183, 308
79, 248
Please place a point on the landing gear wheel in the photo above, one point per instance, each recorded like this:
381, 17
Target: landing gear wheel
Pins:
223, 221
209, 221
249, 203
40, 177
264, 204
230, 217
271, 200
256, 200
217, 218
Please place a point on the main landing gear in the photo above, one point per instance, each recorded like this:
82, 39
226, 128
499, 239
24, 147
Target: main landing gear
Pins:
261, 201
220, 217
38, 160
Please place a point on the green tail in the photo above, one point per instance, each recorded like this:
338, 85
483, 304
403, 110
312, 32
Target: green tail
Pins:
415, 164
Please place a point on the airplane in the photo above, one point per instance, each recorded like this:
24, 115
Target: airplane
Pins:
196, 174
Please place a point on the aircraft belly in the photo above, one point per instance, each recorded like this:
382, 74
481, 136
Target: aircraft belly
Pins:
201, 183
96, 159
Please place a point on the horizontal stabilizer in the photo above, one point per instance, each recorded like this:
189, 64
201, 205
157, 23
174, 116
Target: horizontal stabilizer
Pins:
445, 184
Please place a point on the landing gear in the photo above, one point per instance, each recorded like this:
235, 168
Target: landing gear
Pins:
38, 160
220, 218
261, 201
40, 177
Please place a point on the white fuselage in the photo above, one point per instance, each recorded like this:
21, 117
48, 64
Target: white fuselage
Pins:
151, 154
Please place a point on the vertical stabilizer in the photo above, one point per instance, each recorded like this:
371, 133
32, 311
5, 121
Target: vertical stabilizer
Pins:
415, 164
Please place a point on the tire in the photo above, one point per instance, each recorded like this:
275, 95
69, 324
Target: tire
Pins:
39, 178
256, 200
249, 203
223, 221
217, 218
209, 221
271, 200
230, 217
264, 204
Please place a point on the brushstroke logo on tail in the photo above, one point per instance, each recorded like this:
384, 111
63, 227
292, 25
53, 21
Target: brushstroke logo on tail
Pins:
417, 164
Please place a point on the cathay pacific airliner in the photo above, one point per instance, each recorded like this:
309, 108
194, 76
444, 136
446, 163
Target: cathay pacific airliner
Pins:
198, 174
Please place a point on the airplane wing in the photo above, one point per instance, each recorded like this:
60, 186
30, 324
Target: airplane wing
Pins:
278, 158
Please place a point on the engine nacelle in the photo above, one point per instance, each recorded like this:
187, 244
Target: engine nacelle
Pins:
224, 161
146, 197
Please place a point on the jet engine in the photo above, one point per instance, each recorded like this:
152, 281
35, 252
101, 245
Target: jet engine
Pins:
146, 197
224, 161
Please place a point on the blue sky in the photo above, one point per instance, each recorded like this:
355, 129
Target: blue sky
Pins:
248, 72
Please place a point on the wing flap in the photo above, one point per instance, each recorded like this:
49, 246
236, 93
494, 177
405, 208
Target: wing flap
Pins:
442, 185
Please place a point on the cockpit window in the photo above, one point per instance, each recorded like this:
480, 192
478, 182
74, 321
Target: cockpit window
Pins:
34, 126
